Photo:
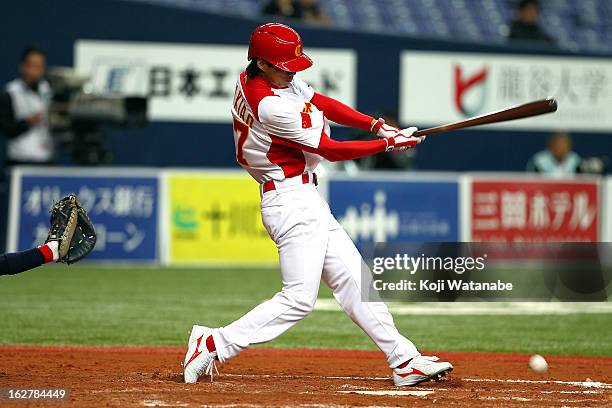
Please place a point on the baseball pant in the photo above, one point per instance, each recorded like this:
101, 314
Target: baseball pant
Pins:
311, 246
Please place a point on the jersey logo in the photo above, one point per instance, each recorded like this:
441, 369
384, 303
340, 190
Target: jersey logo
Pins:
306, 121
307, 107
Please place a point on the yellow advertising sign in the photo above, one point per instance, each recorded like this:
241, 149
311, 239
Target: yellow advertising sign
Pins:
215, 218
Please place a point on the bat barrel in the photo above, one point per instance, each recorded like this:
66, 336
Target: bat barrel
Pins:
526, 110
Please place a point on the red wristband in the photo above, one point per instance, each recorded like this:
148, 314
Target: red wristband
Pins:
376, 126
46, 252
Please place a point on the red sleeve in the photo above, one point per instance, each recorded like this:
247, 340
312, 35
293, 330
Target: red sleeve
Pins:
340, 113
334, 150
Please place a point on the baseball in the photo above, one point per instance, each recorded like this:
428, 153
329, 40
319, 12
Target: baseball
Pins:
538, 364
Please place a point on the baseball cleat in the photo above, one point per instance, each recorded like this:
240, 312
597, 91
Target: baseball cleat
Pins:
421, 369
199, 360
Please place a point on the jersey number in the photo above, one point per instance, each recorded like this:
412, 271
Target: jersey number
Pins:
242, 131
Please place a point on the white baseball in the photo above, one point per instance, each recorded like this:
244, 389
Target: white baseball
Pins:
538, 364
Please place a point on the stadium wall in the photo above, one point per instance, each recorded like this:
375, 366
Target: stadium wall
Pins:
198, 217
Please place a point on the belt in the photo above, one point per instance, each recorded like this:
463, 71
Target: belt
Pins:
270, 184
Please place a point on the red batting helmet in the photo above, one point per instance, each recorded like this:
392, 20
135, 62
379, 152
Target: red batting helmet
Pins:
280, 45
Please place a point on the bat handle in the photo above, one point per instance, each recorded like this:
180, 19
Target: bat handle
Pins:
423, 132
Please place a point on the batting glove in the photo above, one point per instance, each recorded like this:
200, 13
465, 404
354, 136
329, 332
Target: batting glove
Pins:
404, 140
382, 130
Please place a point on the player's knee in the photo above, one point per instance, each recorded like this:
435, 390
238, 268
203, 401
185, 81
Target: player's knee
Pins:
341, 282
307, 305
302, 302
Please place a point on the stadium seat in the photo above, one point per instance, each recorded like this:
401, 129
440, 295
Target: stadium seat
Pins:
577, 26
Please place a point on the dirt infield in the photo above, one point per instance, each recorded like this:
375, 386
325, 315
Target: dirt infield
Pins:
151, 376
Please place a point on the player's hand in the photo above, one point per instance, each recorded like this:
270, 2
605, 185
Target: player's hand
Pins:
385, 131
404, 140
35, 119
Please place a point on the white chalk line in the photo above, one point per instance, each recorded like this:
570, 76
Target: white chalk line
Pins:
592, 387
584, 384
292, 406
160, 403
415, 393
331, 377
565, 392
484, 308
505, 390
522, 399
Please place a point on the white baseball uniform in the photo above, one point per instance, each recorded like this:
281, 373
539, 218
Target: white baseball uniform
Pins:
278, 132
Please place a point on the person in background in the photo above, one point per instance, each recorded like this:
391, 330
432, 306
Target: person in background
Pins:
23, 112
558, 159
307, 10
525, 27
283, 9
313, 13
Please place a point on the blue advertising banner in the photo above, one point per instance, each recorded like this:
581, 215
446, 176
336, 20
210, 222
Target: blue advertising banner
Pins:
124, 210
385, 210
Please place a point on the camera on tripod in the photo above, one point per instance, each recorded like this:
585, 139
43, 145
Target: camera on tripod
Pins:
77, 116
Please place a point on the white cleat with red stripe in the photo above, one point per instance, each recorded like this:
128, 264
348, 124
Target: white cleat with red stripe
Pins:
421, 369
198, 360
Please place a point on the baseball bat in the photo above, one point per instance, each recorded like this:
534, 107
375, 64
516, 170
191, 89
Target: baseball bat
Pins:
526, 110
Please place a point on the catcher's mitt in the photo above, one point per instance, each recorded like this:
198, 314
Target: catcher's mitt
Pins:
73, 230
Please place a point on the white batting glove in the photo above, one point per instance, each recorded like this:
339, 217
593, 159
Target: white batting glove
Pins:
382, 130
404, 140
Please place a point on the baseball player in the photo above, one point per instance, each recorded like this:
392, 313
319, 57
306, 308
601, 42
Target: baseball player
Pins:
282, 132
71, 238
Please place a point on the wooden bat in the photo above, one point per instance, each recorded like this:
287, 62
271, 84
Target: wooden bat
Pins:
517, 112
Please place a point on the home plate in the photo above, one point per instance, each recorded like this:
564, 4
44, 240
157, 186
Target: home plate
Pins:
389, 392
